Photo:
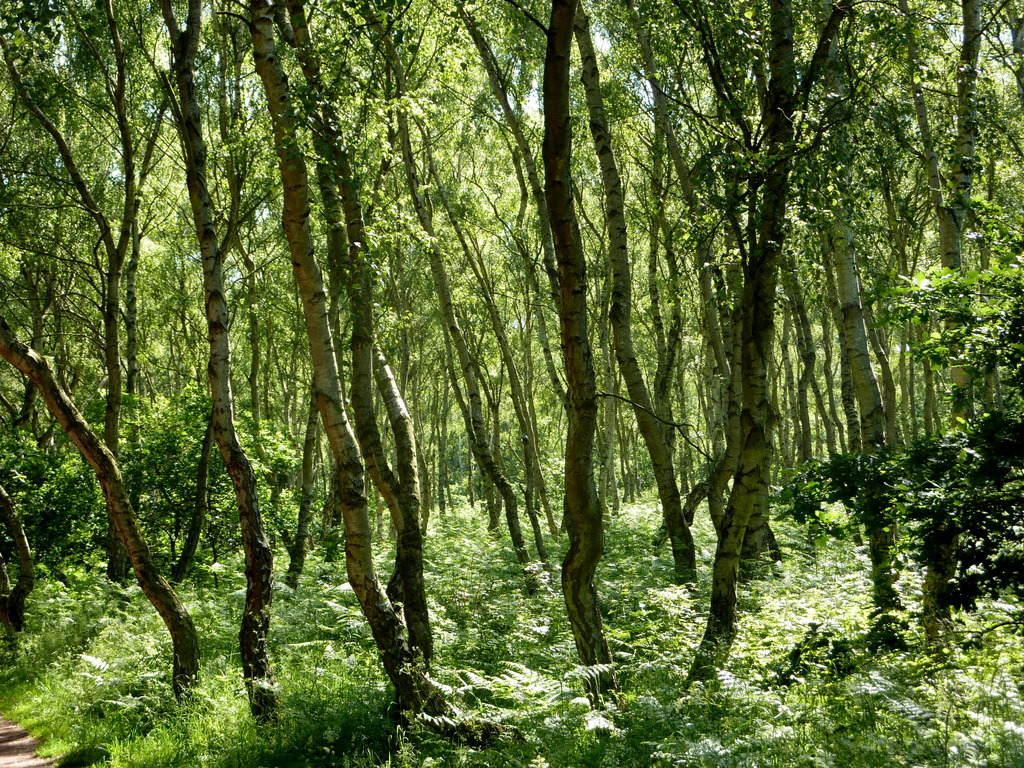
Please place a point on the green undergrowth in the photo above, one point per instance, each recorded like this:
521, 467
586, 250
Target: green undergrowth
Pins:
801, 689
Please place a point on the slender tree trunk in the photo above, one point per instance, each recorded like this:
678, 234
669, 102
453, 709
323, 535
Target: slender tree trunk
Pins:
298, 549
531, 505
931, 406
200, 508
847, 389
259, 559
531, 408
952, 216
766, 234
609, 408
808, 361
443, 478
651, 429
116, 239
12, 601
796, 389
478, 437
131, 314
409, 549
582, 509
414, 690
854, 336
532, 468
500, 92
1017, 33
830, 380
890, 401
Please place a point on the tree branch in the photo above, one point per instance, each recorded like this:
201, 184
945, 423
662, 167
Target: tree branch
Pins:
529, 16
681, 427
840, 11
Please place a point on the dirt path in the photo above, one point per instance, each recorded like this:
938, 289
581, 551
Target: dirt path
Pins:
18, 749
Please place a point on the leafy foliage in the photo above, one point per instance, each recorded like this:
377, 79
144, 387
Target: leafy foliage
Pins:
965, 486
160, 462
58, 498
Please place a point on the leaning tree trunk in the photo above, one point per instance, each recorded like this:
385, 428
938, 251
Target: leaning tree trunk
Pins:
350, 266
159, 592
500, 92
532, 470
854, 345
12, 601
478, 437
409, 547
722, 467
259, 560
1017, 33
115, 245
651, 429
582, 507
854, 342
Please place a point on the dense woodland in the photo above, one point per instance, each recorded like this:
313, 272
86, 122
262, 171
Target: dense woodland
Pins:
620, 382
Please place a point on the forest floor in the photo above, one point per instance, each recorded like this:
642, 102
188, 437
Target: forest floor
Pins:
804, 686
17, 748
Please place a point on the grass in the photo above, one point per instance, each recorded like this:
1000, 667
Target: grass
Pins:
801, 689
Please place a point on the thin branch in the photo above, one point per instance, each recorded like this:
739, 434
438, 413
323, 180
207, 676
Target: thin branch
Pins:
1008, 623
681, 427
528, 15
237, 16
821, 52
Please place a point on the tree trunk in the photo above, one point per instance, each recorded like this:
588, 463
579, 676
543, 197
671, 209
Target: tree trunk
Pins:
131, 314
478, 437
847, 389
651, 429
12, 601
854, 336
349, 257
890, 402
259, 559
415, 691
808, 361
409, 549
160, 593
443, 480
609, 408
828, 369
797, 413
582, 509
951, 214
766, 234
200, 508
527, 428
514, 124
299, 547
